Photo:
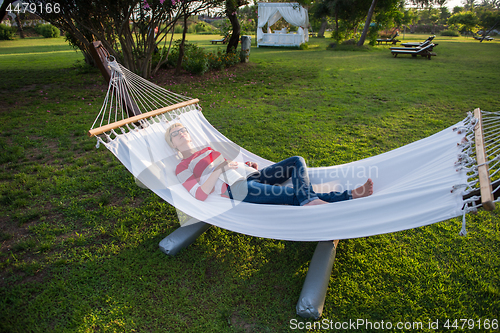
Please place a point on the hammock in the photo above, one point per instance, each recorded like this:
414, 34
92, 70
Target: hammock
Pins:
418, 184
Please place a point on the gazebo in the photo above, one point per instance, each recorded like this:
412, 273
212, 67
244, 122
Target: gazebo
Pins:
293, 13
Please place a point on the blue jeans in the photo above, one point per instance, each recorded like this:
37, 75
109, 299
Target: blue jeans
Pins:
265, 188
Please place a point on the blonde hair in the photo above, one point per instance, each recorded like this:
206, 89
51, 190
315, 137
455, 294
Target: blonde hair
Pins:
168, 138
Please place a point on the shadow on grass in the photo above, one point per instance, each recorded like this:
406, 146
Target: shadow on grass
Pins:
141, 288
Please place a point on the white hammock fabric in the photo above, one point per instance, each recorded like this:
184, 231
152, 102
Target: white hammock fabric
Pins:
415, 185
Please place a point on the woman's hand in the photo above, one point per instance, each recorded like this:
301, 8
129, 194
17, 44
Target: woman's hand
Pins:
252, 165
231, 165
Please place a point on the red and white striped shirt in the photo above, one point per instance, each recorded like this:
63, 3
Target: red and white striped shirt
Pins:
193, 171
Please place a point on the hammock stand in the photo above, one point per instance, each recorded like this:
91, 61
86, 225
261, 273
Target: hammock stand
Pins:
312, 297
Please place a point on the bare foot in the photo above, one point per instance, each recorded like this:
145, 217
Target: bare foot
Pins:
315, 202
363, 191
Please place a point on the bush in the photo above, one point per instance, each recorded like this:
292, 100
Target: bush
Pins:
178, 29
373, 36
220, 60
47, 30
216, 60
6, 32
201, 27
197, 61
351, 41
451, 33
303, 46
231, 59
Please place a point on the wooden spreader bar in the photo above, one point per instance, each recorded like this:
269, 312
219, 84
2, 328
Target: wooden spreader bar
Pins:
118, 124
483, 173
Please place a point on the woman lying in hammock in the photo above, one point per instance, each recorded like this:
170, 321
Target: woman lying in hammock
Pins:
202, 173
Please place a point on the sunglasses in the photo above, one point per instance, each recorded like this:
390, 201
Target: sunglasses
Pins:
179, 131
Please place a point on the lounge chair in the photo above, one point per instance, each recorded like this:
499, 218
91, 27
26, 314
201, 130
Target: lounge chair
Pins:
392, 40
488, 38
223, 40
416, 51
422, 44
419, 46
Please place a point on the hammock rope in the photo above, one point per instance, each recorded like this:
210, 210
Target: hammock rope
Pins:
129, 93
467, 159
420, 196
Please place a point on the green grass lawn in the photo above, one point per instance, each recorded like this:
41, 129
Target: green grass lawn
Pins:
79, 240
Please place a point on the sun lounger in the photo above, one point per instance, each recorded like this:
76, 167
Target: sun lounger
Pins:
392, 40
223, 40
422, 44
416, 51
419, 46
488, 38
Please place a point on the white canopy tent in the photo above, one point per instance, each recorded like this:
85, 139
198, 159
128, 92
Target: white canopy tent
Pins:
293, 13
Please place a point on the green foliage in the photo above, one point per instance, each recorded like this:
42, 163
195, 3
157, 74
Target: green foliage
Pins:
6, 32
487, 18
220, 59
178, 29
450, 33
47, 30
304, 46
249, 26
225, 27
372, 36
203, 27
198, 27
465, 21
195, 60
429, 16
198, 61
444, 15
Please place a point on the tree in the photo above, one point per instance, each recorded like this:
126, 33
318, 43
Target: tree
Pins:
125, 27
367, 23
384, 6
19, 25
320, 12
231, 13
466, 21
488, 18
424, 3
347, 14
444, 15
469, 5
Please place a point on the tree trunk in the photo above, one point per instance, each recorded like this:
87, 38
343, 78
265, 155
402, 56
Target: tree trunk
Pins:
149, 50
322, 29
367, 23
181, 48
235, 37
19, 26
